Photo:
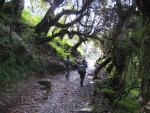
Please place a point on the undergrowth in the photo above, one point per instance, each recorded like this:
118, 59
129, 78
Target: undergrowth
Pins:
15, 60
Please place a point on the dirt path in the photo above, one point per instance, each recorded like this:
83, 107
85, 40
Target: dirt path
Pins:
65, 96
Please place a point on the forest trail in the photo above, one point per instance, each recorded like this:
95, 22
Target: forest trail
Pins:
67, 96
64, 97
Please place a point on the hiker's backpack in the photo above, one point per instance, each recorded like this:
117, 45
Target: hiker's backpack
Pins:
67, 62
81, 68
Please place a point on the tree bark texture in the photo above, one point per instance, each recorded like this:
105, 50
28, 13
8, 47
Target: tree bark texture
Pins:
18, 6
47, 21
144, 65
102, 65
145, 68
74, 48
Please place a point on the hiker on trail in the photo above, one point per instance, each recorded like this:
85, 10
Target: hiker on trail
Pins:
82, 70
77, 65
67, 66
84, 62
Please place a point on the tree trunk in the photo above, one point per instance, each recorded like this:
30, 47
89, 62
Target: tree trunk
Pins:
18, 6
145, 67
44, 25
74, 48
1, 3
120, 51
119, 54
102, 65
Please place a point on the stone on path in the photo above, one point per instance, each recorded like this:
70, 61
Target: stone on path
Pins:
85, 110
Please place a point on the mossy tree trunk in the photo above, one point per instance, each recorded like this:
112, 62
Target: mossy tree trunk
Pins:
44, 25
119, 52
145, 66
18, 6
1, 3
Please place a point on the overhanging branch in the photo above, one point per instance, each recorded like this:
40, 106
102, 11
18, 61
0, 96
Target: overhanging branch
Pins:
70, 23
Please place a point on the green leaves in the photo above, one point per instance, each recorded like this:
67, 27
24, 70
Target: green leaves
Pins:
60, 46
30, 19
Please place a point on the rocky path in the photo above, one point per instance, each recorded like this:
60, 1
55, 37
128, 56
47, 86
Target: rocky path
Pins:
67, 96
64, 97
